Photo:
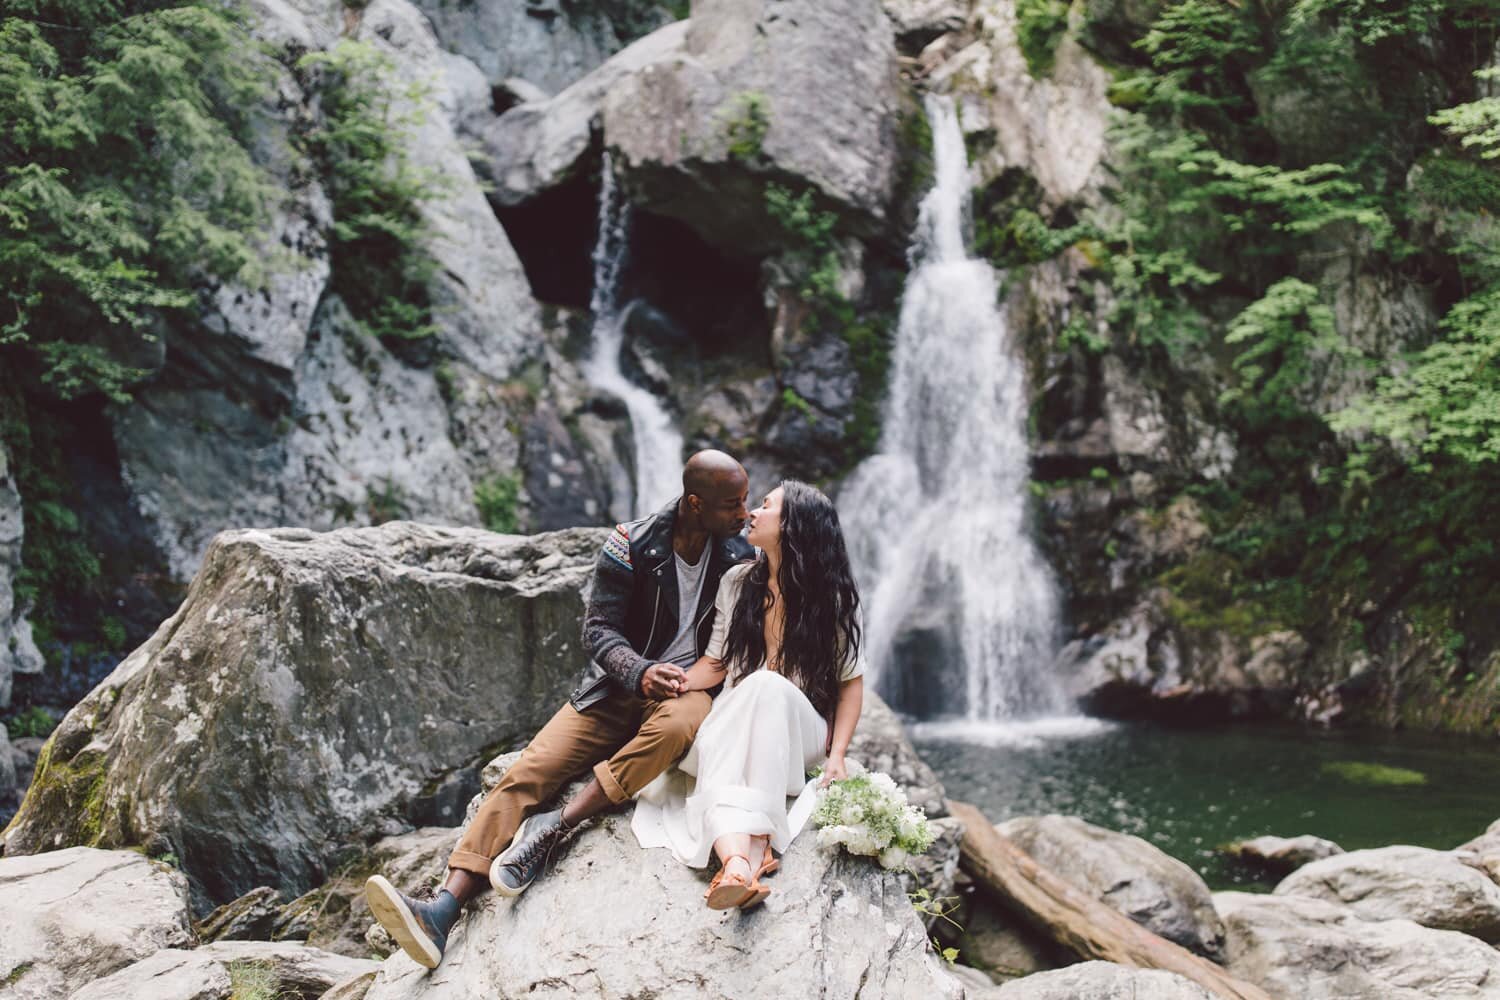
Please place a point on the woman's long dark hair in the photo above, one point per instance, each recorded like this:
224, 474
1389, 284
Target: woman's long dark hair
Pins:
821, 630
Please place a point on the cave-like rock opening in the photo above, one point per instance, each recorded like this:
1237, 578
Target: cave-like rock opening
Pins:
553, 234
714, 295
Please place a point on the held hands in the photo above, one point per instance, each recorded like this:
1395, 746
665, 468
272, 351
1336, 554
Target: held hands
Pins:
662, 681
834, 770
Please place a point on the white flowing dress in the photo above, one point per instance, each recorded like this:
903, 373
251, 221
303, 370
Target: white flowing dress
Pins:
751, 754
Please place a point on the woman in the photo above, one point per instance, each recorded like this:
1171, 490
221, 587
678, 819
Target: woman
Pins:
785, 645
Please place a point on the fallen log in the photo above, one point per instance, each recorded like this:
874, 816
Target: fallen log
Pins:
1076, 920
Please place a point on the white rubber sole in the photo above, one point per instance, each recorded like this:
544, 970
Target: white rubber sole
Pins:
495, 883
398, 920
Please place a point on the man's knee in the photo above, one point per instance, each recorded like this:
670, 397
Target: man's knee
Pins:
677, 719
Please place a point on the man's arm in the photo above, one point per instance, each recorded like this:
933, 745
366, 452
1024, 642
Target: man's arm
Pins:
604, 615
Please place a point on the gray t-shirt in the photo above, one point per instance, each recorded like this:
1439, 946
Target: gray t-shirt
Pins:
684, 648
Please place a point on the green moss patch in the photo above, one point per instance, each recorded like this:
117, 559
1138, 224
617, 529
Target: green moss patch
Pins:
1365, 773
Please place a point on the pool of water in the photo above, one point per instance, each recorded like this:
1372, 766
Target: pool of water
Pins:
1189, 791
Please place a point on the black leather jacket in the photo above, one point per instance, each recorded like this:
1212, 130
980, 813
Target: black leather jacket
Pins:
631, 614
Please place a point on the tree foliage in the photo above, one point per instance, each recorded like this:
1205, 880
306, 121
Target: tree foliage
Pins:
124, 173
1219, 201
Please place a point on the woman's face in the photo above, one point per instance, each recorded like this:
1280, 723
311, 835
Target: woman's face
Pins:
765, 523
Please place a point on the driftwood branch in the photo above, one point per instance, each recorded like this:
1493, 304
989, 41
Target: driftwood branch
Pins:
1076, 920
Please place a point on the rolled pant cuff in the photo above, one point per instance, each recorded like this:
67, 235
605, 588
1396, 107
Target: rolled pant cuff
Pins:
613, 790
477, 864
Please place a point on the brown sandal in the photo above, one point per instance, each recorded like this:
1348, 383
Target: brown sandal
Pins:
759, 892
727, 891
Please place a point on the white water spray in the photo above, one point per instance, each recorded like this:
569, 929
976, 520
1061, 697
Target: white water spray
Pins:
937, 518
657, 441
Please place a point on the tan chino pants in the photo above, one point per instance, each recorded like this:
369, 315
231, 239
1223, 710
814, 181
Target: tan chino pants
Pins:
626, 740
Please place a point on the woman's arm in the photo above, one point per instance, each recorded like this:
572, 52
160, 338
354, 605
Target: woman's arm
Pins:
706, 672
845, 718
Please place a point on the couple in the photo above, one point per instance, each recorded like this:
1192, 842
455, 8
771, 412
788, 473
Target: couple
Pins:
681, 606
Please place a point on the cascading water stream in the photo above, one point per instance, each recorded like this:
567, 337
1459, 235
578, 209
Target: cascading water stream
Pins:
657, 441
938, 517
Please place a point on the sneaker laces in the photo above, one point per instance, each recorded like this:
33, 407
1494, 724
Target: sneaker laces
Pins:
539, 845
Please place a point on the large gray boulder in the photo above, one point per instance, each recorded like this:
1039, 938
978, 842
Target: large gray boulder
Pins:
798, 91
1124, 872
312, 691
1097, 981
1433, 888
72, 916
18, 652
1311, 949
547, 43
229, 970
613, 920
538, 145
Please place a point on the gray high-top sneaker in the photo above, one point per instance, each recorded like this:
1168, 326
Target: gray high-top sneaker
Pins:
523, 861
420, 927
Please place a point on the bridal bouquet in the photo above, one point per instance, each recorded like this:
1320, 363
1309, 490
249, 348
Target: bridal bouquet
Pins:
867, 814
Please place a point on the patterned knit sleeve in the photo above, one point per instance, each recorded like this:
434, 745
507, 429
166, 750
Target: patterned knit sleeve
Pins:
604, 616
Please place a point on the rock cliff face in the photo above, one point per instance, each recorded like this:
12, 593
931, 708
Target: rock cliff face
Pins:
311, 690
275, 408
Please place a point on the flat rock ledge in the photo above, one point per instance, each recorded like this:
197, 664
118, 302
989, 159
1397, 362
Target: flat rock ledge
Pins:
228, 970
613, 920
1311, 949
1433, 888
69, 917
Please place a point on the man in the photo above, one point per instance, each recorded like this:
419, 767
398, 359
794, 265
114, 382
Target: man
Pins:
648, 618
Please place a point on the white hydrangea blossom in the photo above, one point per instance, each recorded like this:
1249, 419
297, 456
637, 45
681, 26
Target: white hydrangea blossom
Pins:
867, 814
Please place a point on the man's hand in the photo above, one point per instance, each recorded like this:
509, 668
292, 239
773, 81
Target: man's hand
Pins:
834, 770
662, 681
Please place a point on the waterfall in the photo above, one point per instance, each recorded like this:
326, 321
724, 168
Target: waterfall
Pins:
657, 441
961, 611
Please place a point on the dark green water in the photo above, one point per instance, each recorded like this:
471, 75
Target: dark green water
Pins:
1188, 791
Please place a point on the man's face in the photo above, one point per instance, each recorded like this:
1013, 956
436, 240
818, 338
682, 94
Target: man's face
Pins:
721, 509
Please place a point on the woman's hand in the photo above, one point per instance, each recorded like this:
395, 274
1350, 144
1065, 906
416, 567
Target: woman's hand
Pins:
834, 770
704, 674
